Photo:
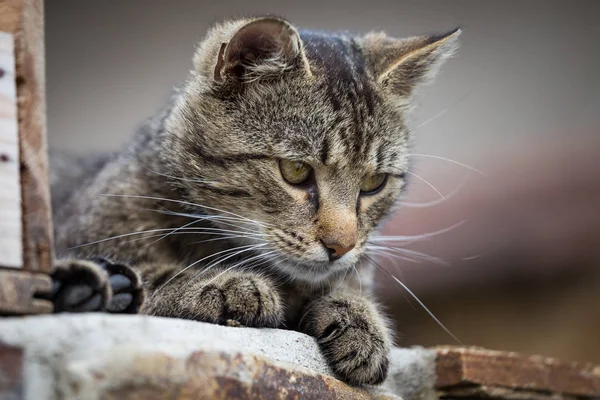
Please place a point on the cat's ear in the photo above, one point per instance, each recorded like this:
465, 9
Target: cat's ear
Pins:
256, 49
401, 65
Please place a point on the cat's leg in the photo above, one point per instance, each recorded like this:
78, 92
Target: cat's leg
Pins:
95, 285
352, 335
225, 297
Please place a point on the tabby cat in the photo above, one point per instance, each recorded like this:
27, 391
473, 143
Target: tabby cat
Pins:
249, 200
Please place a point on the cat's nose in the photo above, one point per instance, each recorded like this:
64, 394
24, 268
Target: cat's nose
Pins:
336, 251
338, 230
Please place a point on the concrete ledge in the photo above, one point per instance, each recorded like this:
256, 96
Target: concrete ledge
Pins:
102, 356
99, 356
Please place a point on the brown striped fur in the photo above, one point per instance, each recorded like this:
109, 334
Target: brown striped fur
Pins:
261, 91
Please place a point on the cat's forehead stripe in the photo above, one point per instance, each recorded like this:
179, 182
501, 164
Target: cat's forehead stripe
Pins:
349, 90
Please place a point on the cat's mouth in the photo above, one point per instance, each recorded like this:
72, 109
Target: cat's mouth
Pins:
315, 271
310, 264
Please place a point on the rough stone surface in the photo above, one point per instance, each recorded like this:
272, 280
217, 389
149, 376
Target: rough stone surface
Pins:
97, 356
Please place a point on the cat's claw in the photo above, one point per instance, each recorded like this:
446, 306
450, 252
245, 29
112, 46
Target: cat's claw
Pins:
352, 337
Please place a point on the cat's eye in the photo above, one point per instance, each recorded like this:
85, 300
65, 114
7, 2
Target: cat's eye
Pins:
294, 172
373, 184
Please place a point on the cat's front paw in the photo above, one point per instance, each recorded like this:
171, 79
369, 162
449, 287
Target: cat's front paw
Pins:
125, 286
79, 286
235, 298
353, 338
95, 285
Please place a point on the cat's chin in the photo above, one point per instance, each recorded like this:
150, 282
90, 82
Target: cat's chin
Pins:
314, 272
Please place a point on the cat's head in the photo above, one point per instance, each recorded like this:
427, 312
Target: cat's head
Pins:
302, 132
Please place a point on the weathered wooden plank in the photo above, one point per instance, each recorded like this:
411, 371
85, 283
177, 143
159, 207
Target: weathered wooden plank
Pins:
24, 19
11, 373
17, 290
461, 367
11, 245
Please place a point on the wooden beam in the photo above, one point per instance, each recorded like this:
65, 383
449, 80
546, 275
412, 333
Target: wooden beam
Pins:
25, 214
24, 19
18, 290
11, 246
475, 372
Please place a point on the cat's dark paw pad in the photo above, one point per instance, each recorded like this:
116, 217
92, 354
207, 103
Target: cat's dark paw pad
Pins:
126, 287
79, 286
240, 299
357, 353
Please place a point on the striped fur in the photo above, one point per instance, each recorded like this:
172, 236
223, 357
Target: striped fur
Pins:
261, 91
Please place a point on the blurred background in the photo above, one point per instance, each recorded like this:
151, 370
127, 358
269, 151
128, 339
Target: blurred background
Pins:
516, 262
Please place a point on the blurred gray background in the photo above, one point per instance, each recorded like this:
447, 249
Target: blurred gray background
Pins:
527, 70
519, 102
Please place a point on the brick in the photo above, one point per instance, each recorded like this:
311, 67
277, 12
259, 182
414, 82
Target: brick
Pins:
475, 366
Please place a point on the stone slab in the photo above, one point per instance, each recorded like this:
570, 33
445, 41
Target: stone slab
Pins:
99, 356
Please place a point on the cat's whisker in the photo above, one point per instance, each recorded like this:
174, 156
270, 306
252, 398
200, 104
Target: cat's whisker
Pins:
220, 230
342, 282
444, 111
248, 262
260, 256
120, 236
399, 238
423, 256
229, 237
235, 225
436, 116
166, 211
227, 257
427, 183
256, 263
485, 253
223, 236
184, 203
417, 300
204, 231
174, 231
436, 202
269, 259
448, 160
204, 217
392, 261
181, 179
359, 280
308, 310
389, 255
415, 253
221, 221
246, 248
260, 259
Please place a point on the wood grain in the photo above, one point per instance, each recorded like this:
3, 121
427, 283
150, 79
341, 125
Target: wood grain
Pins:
24, 19
11, 246
471, 367
17, 291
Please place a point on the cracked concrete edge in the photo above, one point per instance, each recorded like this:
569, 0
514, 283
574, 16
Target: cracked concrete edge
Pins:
86, 355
